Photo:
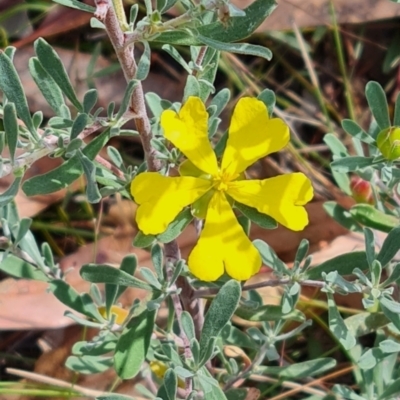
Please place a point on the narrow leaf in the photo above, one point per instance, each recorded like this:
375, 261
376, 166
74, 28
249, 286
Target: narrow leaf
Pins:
78, 5
390, 247
343, 264
46, 84
107, 274
377, 102
238, 48
11, 128
220, 312
11, 86
55, 68
9, 195
132, 346
143, 67
65, 174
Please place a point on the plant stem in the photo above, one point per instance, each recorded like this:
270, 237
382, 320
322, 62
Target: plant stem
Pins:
127, 61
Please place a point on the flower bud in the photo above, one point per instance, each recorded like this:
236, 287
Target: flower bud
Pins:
361, 190
388, 142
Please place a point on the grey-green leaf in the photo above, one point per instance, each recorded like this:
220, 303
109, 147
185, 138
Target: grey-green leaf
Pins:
9, 195
77, 5
143, 67
66, 173
132, 346
337, 325
349, 164
78, 125
262, 220
55, 68
377, 102
11, 86
46, 84
19, 268
11, 128
390, 247
107, 274
343, 264
355, 130
220, 312
238, 48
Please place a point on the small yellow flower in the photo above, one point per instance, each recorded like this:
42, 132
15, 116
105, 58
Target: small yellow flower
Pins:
119, 312
223, 245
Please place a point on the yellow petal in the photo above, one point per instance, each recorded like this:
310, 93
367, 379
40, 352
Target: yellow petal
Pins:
188, 131
281, 197
161, 198
252, 135
223, 245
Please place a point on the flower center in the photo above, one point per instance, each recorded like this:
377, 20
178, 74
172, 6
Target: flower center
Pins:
221, 182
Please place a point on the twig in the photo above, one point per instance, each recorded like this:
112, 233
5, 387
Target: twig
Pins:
138, 108
273, 282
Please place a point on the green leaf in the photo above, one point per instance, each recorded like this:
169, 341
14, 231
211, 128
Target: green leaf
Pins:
268, 97
89, 364
188, 325
238, 48
337, 325
350, 164
267, 313
192, 87
77, 5
65, 174
143, 67
341, 215
127, 98
237, 28
220, 312
9, 195
11, 128
270, 258
113, 396
89, 169
396, 117
170, 383
93, 348
46, 84
346, 393
55, 68
343, 264
19, 268
207, 77
157, 258
89, 100
390, 247
355, 130
300, 370
377, 102
79, 125
365, 323
132, 346
142, 241
210, 386
393, 389
106, 274
371, 217
391, 310
262, 220
338, 151
67, 295
11, 86
176, 227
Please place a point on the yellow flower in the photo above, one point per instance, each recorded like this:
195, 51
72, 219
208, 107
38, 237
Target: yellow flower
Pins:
223, 245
